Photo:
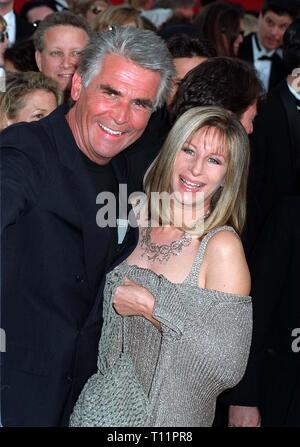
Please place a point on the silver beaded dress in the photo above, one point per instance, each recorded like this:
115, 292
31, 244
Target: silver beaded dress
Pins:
201, 350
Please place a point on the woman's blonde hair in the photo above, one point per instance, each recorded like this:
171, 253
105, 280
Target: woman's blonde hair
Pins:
228, 205
18, 85
117, 16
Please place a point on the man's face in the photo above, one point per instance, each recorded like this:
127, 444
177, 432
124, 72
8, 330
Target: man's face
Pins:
183, 65
271, 28
60, 57
113, 110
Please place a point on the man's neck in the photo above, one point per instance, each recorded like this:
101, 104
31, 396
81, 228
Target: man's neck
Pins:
6, 7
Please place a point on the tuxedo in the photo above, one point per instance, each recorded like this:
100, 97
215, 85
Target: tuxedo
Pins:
272, 378
246, 52
54, 261
275, 159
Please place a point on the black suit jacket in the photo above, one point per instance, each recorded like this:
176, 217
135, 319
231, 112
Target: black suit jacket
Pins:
272, 378
277, 69
275, 159
54, 257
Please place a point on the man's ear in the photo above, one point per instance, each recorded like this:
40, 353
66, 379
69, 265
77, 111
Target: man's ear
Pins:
76, 86
38, 59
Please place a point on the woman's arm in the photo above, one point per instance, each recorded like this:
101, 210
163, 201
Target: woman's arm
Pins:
133, 299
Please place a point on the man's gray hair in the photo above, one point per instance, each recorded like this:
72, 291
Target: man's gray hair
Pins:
63, 18
142, 47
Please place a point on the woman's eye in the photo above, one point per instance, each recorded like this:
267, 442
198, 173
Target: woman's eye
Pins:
188, 151
215, 161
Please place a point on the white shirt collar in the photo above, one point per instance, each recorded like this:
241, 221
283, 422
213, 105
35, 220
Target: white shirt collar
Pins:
258, 49
10, 19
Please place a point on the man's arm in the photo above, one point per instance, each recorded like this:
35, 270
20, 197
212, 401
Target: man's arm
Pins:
22, 173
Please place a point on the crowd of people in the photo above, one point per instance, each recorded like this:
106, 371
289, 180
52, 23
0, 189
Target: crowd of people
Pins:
150, 166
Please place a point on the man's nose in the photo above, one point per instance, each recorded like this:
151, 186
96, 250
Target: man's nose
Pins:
120, 113
68, 61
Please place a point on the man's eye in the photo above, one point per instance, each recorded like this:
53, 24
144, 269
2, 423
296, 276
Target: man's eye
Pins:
38, 116
76, 53
55, 53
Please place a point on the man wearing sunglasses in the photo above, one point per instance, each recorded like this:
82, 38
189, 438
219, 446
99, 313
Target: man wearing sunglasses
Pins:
17, 28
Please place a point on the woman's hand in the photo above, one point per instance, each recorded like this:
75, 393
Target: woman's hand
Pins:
133, 299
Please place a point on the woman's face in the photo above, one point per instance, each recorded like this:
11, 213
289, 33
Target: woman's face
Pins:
200, 167
3, 42
238, 40
37, 105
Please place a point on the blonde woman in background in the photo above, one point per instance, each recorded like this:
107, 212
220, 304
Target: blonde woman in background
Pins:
29, 96
89, 9
3, 39
117, 16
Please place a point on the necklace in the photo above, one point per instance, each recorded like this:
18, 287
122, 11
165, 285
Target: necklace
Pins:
162, 253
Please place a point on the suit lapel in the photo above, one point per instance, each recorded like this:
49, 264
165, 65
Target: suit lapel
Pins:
293, 117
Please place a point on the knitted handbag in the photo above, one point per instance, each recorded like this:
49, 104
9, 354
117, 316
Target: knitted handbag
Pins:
113, 397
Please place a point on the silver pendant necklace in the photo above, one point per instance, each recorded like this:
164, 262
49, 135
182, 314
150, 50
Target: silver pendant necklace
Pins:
162, 253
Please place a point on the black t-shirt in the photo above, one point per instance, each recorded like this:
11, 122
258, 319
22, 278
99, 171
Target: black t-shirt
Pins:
103, 179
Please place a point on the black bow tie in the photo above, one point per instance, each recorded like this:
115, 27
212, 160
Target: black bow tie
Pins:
266, 58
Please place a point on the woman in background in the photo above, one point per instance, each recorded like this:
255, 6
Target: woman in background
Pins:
221, 24
29, 96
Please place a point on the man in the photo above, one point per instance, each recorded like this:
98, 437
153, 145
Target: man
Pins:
187, 53
58, 57
220, 81
54, 253
17, 28
274, 177
263, 48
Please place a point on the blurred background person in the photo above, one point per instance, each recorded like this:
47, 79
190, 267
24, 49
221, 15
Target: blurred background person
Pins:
117, 16
58, 57
17, 28
263, 49
35, 11
3, 39
20, 57
28, 97
226, 82
89, 9
221, 24
187, 53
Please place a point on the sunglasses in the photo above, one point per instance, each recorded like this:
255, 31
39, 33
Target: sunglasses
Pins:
3, 36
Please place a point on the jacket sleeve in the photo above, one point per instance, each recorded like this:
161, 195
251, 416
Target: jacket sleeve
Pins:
22, 172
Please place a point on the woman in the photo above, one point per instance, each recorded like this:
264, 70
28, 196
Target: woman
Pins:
221, 24
29, 96
3, 39
189, 317
89, 9
117, 16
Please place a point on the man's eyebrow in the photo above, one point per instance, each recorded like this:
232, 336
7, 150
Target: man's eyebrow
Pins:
147, 103
109, 89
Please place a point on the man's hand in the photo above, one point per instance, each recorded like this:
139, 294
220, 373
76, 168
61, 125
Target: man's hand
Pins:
243, 416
